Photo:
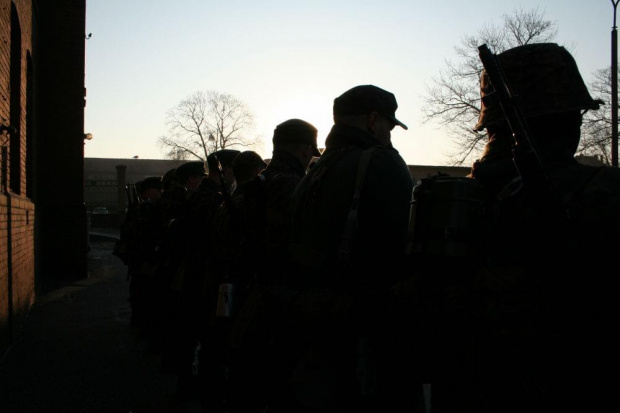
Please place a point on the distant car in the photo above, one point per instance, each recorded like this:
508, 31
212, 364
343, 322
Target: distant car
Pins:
100, 211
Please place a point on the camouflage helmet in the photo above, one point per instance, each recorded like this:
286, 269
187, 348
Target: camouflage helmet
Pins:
545, 78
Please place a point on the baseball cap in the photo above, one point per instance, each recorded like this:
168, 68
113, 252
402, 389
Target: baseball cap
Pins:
296, 131
364, 99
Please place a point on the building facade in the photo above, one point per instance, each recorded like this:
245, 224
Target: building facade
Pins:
42, 209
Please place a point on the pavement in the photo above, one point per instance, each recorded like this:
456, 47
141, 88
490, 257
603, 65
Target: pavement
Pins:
77, 352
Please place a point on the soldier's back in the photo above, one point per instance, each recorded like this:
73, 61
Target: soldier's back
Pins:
543, 326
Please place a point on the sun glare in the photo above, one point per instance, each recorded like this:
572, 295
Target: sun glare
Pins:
311, 107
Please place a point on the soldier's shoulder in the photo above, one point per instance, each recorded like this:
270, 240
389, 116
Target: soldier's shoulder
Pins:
593, 180
608, 175
203, 195
387, 156
389, 164
284, 181
599, 198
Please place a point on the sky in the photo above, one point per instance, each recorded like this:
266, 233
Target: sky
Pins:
289, 59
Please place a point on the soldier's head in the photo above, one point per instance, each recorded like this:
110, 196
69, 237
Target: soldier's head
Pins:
223, 158
297, 137
170, 179
548, 88
190, 174
247, 165
151, 188
368, 107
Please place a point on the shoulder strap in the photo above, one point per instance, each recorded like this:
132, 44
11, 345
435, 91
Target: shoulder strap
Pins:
350, 227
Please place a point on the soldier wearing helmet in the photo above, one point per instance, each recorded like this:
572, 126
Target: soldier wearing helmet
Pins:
539, 335
551, 94
546, 80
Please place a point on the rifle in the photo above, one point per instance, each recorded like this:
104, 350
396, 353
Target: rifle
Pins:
526, 156
124, 243
226, 295
136, 196
133, 199
225, 191
128, 196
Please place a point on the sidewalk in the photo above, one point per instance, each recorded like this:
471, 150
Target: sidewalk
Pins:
78, 354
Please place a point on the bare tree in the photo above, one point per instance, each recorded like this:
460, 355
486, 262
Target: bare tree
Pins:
205, 122
596, 127
453, 99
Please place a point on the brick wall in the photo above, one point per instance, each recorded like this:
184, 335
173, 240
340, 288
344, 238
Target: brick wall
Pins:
42, 64
17, 212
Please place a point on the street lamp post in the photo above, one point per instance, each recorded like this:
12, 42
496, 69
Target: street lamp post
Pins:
130, 172
614, 89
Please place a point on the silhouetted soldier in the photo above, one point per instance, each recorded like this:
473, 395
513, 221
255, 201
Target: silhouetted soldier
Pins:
138, 247
534, 325
548, 291
254, 236
349, 225
201, 341
246, 166
180, 185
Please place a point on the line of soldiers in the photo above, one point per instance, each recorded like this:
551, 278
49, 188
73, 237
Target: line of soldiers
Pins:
341, 285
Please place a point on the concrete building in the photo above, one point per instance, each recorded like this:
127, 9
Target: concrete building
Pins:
105, 180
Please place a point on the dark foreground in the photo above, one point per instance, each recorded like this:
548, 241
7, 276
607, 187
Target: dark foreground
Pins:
78, 352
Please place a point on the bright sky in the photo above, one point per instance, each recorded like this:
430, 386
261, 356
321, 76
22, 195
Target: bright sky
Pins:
290, 59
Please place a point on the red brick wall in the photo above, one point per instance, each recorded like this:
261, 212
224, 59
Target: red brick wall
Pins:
5, 58
17, 273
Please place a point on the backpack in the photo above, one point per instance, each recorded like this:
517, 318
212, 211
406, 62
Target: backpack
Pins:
447, 219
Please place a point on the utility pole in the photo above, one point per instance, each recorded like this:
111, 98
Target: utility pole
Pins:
614, 89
